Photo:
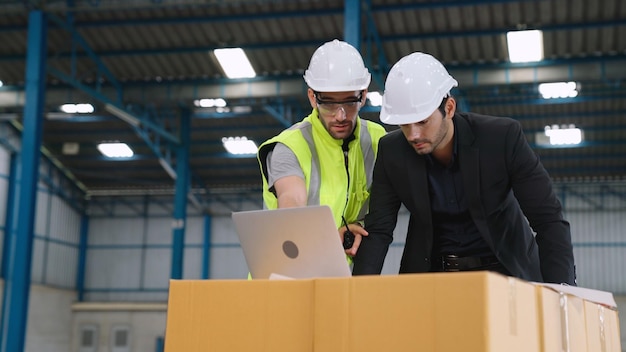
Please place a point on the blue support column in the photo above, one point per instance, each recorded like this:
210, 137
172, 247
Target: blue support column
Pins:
206, 248
17, 284
12, 204
352, 23
82, 257
180, 198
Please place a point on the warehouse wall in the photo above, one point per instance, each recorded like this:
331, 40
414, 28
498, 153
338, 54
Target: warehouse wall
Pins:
49, 319
57, 223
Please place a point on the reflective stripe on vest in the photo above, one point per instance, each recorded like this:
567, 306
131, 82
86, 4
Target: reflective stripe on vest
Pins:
367, 151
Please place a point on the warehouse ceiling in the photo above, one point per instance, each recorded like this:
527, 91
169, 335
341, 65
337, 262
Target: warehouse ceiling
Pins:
152, 59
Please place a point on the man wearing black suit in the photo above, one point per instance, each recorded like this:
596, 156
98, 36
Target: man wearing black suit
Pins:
472, 184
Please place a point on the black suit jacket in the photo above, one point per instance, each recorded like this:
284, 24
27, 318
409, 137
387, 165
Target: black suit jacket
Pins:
508, 190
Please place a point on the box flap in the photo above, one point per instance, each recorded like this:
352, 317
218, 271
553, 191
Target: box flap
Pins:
596, 296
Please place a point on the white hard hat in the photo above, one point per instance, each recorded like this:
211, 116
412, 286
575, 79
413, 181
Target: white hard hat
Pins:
414, 89
337, 66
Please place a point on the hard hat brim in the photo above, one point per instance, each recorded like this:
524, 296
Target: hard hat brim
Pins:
402, 119
320, 85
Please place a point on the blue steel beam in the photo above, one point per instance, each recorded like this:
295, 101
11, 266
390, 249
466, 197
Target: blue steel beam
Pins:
116, 104
180, 198
352, 23
206, 247
372, 40
82, 257
106, 100
17, 284
279, 114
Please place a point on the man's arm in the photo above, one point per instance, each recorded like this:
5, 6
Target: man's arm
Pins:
290, 191
285, 177
533, 189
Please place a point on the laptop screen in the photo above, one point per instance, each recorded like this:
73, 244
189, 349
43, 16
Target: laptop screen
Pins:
293, 242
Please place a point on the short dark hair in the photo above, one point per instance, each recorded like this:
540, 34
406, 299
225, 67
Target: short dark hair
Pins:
442, 106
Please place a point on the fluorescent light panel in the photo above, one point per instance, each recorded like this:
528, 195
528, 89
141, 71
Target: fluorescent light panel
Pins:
558, 90
77, 108
210, 103
525, 46
234, 62
115, 150
564, 135
239, 145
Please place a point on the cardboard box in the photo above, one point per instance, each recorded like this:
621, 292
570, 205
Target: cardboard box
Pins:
239, 315
577, 319
561, 321
602, 323
477, 311
467, 312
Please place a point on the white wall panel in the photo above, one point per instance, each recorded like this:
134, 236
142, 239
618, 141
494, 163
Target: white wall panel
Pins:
159, 231
49, 319
38, 262
157, 267
64, 222
194, 232
118, 231
192, 263
223, 230
5, 164
228, 263
61, 265
113, 268
42, 214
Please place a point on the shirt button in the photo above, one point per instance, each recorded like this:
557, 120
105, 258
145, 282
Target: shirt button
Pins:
426, 260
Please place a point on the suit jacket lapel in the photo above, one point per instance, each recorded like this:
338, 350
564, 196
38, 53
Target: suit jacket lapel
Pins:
468, 162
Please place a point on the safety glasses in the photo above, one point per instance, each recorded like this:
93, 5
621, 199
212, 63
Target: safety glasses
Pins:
332, 107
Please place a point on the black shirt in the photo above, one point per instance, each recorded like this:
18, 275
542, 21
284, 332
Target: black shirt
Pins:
454, 230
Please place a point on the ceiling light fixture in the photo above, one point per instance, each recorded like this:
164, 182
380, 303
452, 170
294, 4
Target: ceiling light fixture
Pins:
234, 62
564, 134
210, 103
558, 90
559, 136
525, 46
239, 145
77, 108
115, 150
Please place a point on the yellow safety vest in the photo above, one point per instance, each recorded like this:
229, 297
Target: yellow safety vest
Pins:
323, 164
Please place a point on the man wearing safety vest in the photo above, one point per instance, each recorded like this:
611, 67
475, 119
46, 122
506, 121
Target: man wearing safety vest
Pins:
328, 157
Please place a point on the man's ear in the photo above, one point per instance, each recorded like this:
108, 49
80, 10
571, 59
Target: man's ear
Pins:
311, 95
450, 107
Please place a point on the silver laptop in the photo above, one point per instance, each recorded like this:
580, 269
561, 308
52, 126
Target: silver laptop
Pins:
295, 243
